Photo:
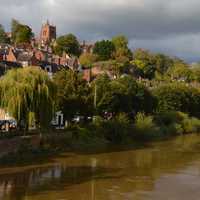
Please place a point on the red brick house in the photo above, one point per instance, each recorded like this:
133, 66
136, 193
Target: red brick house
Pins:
25, 58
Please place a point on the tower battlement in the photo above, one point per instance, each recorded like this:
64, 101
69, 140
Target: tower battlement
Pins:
48, 33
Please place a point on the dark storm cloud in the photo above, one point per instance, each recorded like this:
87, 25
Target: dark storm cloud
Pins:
171, 26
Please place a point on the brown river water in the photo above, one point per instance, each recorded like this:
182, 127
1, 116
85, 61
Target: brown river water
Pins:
167, 170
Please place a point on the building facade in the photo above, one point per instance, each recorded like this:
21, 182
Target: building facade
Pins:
47, 34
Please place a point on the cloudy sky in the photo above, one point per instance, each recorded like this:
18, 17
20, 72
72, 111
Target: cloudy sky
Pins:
169, 26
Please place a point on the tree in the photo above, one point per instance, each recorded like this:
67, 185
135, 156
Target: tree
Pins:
104, 49
87, 59
120, 41
20, 33
68, 44
180, 71
178, 97
3, 37
121, 95
145, 61
74, 95
28, 92
196, 74
115, 68
163, 63
152, 65
122, 51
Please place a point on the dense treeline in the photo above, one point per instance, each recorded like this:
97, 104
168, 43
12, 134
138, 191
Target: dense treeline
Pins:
120, 108
142, 94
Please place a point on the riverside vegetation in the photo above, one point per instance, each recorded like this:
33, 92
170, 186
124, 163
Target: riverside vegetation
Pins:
142, 96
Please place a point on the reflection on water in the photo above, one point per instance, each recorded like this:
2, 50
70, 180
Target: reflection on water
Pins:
161, 171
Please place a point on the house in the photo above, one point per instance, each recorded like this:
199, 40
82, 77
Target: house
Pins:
58, 120
21, 56
27, 59
4, 49
90, 73
50, 68
41, 55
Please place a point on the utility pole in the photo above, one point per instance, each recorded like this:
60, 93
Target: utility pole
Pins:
95, 95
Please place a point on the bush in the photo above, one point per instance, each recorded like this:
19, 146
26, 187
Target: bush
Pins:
191, 125
115, 130
144, 127
175, 123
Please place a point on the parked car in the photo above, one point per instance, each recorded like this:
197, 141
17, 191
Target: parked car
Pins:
8, 124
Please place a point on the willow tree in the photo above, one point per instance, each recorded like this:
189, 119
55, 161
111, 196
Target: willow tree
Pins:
26, 93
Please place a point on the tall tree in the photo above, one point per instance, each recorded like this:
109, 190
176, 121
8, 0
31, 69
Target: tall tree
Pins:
74, 95
68, 44
120, 41
122, 51
122, 95
3, 36
178, 97
20, 33
104, 49
28, 91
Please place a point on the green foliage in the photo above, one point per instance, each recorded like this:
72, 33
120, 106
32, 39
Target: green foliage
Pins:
120, 41
20, 33
151, 65
68, 44
173, 123
122, 95
145, 61
25, 91
196, 74
178, 97
145, 127
74, 95
3, 36
104, 49
180, 71
87, 59
163, 63
118, 68
122, 53
115, 130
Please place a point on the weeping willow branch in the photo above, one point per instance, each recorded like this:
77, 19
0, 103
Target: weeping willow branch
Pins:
25, 91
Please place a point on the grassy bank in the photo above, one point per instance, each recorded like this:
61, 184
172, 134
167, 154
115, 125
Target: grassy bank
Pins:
102, 133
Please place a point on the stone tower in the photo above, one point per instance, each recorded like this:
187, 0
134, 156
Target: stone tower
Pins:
48, 33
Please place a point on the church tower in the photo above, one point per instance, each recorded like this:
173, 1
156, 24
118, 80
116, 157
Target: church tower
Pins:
47, 34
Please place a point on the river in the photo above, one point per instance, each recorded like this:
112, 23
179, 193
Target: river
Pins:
167, 170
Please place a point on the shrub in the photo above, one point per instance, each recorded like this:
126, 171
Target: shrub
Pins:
191, 125
117, 129
165, 119
144, 127
173, 123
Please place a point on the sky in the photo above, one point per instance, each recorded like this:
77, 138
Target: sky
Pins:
167, 26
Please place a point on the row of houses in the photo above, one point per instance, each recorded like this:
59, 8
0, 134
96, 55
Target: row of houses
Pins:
39, 53
15, 57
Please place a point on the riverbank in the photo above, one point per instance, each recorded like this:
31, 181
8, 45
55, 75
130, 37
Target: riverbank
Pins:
97, 136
